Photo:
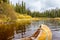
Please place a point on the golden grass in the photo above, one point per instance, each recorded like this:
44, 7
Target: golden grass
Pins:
7, 10
9, 20
6, 31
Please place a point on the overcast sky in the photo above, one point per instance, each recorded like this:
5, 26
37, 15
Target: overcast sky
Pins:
40, 5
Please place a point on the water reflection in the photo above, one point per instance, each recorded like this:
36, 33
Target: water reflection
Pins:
53, 24
31, 28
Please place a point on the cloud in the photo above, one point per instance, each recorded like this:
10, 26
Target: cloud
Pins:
35, 6
14, 1
40, 5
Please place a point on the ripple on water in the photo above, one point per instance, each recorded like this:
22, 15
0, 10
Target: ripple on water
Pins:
34, 25
56, 35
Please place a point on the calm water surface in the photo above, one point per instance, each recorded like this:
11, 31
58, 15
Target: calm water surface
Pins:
30, 29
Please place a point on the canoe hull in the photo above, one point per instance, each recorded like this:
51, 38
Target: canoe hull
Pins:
46, 33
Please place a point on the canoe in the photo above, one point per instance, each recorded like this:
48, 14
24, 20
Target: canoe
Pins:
44, 34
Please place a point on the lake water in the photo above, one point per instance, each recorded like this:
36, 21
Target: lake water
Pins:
30, 29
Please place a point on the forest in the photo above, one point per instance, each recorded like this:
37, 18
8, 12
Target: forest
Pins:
21, 8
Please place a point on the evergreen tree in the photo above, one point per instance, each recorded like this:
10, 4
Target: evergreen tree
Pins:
20, 8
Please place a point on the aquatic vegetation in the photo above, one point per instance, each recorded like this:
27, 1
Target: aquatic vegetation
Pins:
6, 30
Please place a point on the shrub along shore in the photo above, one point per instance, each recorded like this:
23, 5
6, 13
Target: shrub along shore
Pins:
11, 21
